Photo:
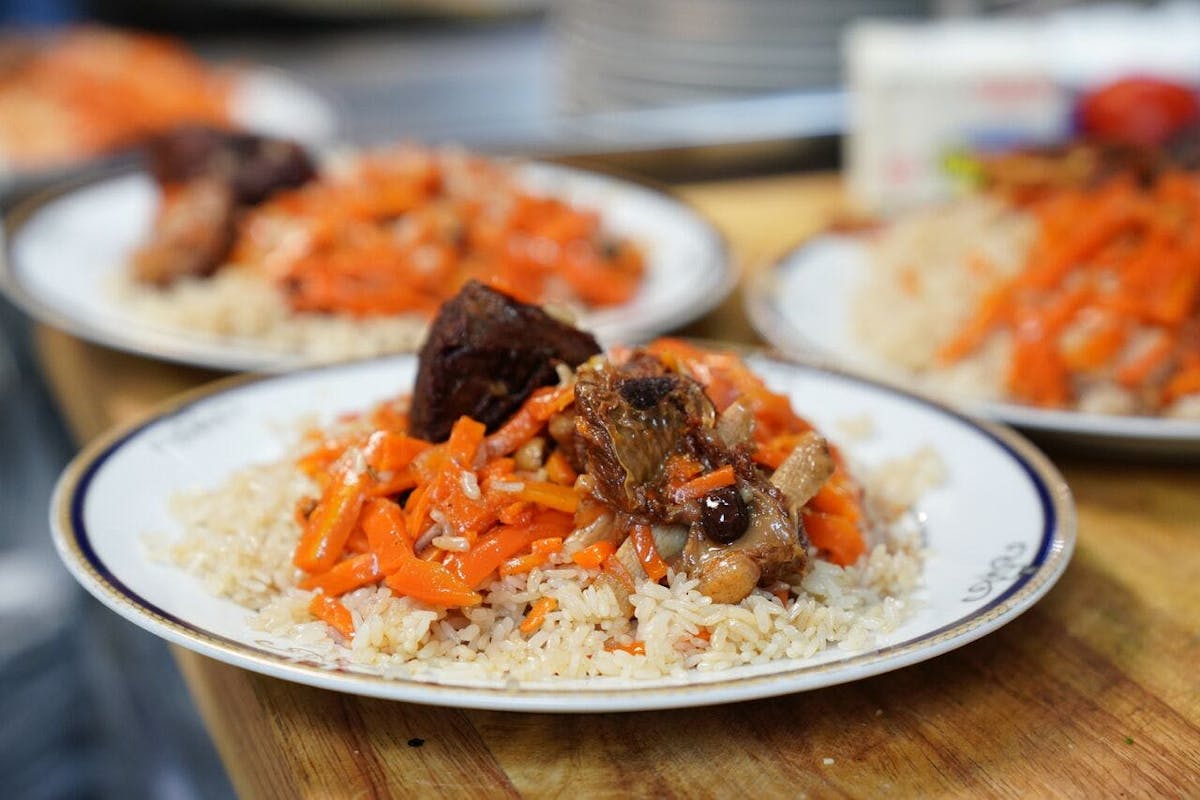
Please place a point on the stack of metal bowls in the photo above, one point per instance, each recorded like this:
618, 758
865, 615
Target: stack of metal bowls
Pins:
627, 54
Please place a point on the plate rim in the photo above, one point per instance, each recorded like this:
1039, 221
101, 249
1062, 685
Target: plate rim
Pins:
773, 325
71, 540
224, 353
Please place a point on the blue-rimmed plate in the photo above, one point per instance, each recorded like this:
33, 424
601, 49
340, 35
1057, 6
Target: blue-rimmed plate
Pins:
802, 305
999, 532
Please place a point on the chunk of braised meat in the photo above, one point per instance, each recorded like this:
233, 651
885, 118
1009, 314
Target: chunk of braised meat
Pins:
632, 419
207, 177
194, 231
485, 354
254, 167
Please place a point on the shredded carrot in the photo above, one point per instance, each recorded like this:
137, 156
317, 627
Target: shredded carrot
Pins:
547, 546
698, 487
400, 231
643, 544
559, 469
431, 582
1110, 266
389, 451
550, 495
837, 536
383, 522
1139, 369
516, 513
520, 564
504, 542
594, 555
330, 525
1183, 383
537, 614
529, 419
332, 612
346, 576
633, 648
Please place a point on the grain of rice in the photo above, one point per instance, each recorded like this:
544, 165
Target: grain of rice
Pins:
452, 544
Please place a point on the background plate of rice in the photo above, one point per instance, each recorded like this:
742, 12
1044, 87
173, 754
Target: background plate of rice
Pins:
989, 538
810, 304
65, 257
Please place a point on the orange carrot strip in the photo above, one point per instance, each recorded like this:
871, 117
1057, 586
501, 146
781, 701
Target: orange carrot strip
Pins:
837, 499
698, 487
837, 536
329, 526
503, 542
399, 481
332, 612
346, 576
1183, 383
633, 648
592, 556
516, 513
465, 438
529, 419
383, 521
387, 451
519, 564
647, 553
551, 544
550, 495
430, 582
1139, 369
357, 543
559, 469
537, 614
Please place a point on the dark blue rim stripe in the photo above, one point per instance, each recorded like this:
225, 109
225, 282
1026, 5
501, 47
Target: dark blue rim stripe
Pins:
1049, 517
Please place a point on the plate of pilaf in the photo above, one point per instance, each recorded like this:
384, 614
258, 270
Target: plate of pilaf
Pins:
76, 96
247, 252
1061, 297
529, 522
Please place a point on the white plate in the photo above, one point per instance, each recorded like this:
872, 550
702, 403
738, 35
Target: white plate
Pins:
264, 100
802, 306
63, 254
1000, 532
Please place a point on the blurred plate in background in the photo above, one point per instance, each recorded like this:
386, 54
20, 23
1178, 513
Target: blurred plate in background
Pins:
802, 305
64, 253
264, 100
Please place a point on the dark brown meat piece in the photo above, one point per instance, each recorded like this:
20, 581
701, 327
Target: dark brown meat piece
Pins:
630, 420
211, 176
254, 167
484, 356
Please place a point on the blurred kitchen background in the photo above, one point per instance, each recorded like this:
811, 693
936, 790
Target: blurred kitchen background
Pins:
669, 89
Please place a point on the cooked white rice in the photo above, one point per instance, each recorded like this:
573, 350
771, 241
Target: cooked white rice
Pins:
239, 539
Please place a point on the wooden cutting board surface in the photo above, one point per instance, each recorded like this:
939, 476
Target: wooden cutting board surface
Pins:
1094, 692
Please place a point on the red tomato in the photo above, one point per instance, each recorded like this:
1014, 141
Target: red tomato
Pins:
1144, 111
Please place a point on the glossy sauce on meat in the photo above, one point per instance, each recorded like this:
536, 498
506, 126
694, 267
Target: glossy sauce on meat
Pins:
632, 418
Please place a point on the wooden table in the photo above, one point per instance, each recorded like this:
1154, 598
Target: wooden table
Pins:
1094, 692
